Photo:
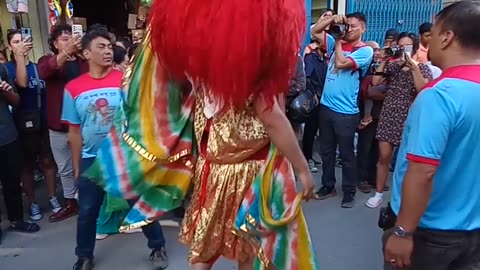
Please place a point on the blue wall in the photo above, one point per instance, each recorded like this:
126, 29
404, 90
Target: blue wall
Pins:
308, 9
404, 15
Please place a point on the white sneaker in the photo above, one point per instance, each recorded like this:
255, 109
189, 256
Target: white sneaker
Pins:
100, 236
137, 230
374, 201
312, 166
55, 205
35, 214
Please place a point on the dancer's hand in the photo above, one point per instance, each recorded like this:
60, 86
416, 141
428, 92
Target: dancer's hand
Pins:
306, 179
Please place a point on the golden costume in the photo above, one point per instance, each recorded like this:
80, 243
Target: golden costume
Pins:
233, 146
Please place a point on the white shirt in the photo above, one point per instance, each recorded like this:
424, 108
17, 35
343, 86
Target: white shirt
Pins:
436, 71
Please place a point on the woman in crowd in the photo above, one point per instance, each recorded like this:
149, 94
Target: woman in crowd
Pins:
404, 78
31, 120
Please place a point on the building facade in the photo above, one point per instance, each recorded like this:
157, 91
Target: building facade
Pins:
36, 18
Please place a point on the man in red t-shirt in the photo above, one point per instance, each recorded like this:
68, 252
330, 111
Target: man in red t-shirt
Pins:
57, 70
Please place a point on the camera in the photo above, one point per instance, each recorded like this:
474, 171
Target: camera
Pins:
338, 30
393, 51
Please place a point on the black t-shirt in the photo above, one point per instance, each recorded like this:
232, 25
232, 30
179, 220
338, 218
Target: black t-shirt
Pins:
72, 70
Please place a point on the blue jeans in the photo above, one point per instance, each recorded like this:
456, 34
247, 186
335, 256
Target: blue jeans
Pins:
90, 200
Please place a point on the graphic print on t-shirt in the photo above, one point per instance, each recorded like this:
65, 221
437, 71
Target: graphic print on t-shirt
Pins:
92, 104
99, 113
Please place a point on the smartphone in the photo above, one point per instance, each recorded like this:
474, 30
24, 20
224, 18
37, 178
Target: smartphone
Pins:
77, 30
408, 50
26, 34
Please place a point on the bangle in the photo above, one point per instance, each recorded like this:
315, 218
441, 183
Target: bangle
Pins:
66, 54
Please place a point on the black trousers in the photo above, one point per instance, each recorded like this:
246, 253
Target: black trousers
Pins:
309, 133
11, 163
367, 153
338, 129
443, 250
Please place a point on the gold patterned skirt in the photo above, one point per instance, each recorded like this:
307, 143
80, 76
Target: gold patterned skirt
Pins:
207, 227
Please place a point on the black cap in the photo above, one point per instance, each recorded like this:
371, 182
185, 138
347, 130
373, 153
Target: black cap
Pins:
391, 33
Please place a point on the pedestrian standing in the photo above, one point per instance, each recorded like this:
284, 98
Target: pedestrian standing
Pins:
436, 191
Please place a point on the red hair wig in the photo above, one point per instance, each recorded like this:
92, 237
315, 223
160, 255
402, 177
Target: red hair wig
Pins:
238, 48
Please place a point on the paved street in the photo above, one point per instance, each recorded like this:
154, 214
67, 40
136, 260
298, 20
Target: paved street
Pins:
343, 239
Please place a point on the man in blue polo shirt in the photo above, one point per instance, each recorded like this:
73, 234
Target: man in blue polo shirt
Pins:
339, 113
436, 184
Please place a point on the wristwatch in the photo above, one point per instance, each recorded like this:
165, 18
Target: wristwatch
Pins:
401, 232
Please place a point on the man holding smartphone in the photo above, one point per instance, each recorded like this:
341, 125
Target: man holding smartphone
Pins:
57, 70
339, 112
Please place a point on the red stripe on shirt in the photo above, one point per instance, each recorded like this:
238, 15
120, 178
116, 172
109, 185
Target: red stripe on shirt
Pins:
355, 66
423, 160
464, 72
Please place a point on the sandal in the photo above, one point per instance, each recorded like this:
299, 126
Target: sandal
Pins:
24, 227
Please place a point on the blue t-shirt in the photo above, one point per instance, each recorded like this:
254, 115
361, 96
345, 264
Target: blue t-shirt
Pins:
92, 104
29, 95
442, 128
340, 93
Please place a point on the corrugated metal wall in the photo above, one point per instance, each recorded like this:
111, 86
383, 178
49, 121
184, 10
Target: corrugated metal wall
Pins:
405, 15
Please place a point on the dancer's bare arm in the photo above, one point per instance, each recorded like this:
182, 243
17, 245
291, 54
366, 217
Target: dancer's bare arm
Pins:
282, 136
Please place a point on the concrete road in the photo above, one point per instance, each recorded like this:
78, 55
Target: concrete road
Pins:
344, 239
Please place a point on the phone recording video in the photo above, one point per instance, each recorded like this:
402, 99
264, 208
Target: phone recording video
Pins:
77, 30
26, 34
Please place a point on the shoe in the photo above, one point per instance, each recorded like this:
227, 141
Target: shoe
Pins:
348, 200
364, 187
137, 230
325, 193
159, 258
312, 166
55, 205
100, 236
317, 159
70, 210
35, 214
24, 226
83, 264
375, 201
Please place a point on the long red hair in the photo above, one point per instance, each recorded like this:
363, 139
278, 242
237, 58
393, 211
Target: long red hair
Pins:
238, 48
